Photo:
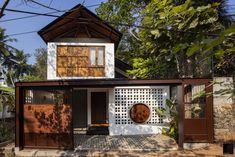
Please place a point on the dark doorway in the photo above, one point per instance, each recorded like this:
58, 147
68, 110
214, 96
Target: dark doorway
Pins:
98, 107
80, 108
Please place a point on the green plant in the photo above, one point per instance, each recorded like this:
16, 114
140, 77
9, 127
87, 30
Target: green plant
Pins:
170, 113
6, 131
7, 98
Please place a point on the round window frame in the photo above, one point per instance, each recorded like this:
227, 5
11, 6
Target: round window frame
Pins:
149, 117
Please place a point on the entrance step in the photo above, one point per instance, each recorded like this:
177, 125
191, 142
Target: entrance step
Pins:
79, 130
98, 130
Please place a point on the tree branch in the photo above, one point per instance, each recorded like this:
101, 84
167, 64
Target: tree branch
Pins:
3, 7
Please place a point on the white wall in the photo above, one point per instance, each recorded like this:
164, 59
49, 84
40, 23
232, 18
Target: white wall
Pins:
51, 59
132, 128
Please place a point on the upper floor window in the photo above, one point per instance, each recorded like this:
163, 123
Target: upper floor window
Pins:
80, 61
96, 56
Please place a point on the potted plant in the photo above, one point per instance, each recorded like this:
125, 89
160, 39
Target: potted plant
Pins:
228, 143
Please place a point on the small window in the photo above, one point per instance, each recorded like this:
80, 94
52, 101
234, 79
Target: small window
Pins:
100, 56
92, 56
96, 56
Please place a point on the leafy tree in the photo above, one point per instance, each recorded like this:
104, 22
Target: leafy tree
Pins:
7, 99
19, 68
29, 78
222, 49
164, 45
174, 32
128, 12
6, 50
41, 64
7, 53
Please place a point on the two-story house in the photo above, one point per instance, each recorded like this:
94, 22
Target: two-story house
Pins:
87, 90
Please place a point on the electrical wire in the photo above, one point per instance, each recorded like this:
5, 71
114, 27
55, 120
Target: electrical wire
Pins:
22, 33
45, 6
89, 20
35, 15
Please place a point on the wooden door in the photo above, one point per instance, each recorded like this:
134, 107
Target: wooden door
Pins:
198, 111
80, 108
98, 107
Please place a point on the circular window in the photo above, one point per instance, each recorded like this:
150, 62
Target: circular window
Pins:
140, 113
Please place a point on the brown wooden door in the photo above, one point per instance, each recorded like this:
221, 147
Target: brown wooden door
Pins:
98, 107
198, 115
80, 108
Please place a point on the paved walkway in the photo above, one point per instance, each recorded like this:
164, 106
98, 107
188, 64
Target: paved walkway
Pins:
115, 143
213, 150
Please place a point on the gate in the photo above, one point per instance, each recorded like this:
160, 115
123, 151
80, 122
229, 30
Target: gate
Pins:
198, 110
47, 118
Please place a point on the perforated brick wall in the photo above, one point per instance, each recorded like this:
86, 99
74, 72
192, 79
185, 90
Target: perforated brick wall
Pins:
125, 98
121, 101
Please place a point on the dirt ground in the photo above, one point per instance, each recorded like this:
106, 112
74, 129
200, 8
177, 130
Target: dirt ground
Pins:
213, 150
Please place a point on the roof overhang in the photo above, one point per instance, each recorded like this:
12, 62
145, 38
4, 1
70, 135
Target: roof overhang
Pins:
99, 82
78, 19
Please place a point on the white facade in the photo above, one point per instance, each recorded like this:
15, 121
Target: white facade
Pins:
118, 108
121, 99
52, 58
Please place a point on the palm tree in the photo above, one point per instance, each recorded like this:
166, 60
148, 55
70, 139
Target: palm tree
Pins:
6, 52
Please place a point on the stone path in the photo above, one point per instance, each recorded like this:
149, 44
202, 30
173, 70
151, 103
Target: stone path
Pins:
213, 150
134, 142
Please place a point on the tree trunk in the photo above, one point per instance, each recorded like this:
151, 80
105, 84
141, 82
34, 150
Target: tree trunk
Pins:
3, 8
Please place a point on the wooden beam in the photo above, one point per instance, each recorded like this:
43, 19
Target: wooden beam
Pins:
98, 32
98, 83
88, 33
17, 114
180, 102
209, 112
19, 129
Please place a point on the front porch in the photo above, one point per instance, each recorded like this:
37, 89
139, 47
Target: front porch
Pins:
49, 113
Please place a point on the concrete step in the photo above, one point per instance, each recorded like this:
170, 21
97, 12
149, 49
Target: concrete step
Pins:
98, 130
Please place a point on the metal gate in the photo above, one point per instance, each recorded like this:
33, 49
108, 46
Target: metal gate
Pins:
47, 118
198, 110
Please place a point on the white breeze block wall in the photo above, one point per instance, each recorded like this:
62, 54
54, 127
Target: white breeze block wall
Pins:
121, 99
51, 59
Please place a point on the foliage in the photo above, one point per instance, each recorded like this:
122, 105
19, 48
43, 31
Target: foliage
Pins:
6, 131
13, 62
149, 69
5, 49
166, 42
227, 90
7, 98
41, 64
19, 68
222, 49
29, 78
170, 113
128, 12
175, 31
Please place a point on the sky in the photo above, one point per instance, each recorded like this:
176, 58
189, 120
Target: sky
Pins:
29, 42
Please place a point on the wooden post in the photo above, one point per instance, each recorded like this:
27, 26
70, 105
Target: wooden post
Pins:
209, 112
180, 96
18, 117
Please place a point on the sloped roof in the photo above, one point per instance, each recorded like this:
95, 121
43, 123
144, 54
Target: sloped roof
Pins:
79, 22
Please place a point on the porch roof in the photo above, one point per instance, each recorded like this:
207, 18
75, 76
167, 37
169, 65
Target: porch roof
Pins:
106, 82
